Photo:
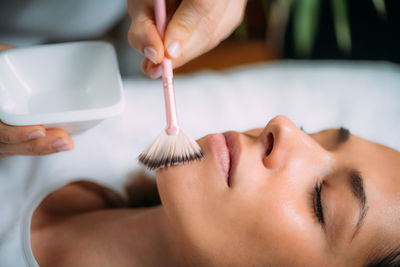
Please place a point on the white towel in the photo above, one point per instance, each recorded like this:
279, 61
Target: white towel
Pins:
365, 97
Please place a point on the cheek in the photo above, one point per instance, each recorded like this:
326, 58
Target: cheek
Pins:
194, 209
293, 234
192, 195
180, 184
178, 187
193, 181
282, 226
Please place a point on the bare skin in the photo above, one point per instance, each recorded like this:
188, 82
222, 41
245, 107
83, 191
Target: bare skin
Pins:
107, 236
269, 214
195, 27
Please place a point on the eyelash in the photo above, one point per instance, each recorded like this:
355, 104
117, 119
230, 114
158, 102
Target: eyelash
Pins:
316, 203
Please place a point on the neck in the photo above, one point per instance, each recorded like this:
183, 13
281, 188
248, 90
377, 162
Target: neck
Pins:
153, 241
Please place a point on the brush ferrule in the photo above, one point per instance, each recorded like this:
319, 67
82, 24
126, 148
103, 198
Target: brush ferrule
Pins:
172, 131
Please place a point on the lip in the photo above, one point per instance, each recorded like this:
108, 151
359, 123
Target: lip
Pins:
219, 148
232, 141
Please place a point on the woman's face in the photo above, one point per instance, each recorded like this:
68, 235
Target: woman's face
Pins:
277, 196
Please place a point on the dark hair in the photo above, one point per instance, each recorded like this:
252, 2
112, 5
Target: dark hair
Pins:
392, 259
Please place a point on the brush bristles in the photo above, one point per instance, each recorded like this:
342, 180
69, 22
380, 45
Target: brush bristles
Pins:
168, 150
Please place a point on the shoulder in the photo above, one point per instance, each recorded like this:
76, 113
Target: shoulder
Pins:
72, 199
54, 225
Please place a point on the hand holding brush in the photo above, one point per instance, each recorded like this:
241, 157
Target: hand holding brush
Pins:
173, 146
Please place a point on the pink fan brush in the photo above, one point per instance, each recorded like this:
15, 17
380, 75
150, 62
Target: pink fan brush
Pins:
173, 146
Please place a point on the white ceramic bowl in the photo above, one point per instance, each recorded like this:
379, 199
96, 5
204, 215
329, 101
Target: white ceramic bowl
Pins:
72, 86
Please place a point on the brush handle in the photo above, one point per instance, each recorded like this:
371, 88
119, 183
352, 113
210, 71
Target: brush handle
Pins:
167, 74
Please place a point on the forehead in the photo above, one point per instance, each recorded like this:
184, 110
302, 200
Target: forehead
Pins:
383, 163
380, 169
378, 164
365, 150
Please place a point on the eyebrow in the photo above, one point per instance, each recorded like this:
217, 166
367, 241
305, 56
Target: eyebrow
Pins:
355, 182
343, 135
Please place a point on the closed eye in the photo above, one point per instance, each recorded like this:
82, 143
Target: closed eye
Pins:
318, 206
316, 196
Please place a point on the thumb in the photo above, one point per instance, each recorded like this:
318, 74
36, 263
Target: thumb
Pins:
187, 21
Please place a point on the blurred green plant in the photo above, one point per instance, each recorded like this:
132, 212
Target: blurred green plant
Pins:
305, 14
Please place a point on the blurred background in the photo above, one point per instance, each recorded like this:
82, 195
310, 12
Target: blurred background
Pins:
271, 30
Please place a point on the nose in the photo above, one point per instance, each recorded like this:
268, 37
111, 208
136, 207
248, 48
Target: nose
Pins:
285, 144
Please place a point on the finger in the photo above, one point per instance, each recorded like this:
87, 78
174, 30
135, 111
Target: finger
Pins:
17, 134
152, 70
56, 140
190, 17
199, 26
4, 47
143, 34
217, 26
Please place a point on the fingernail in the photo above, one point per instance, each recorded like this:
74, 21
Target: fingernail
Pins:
59, 143
173, 49
36, 135
156, 72
64, 148
151, 54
